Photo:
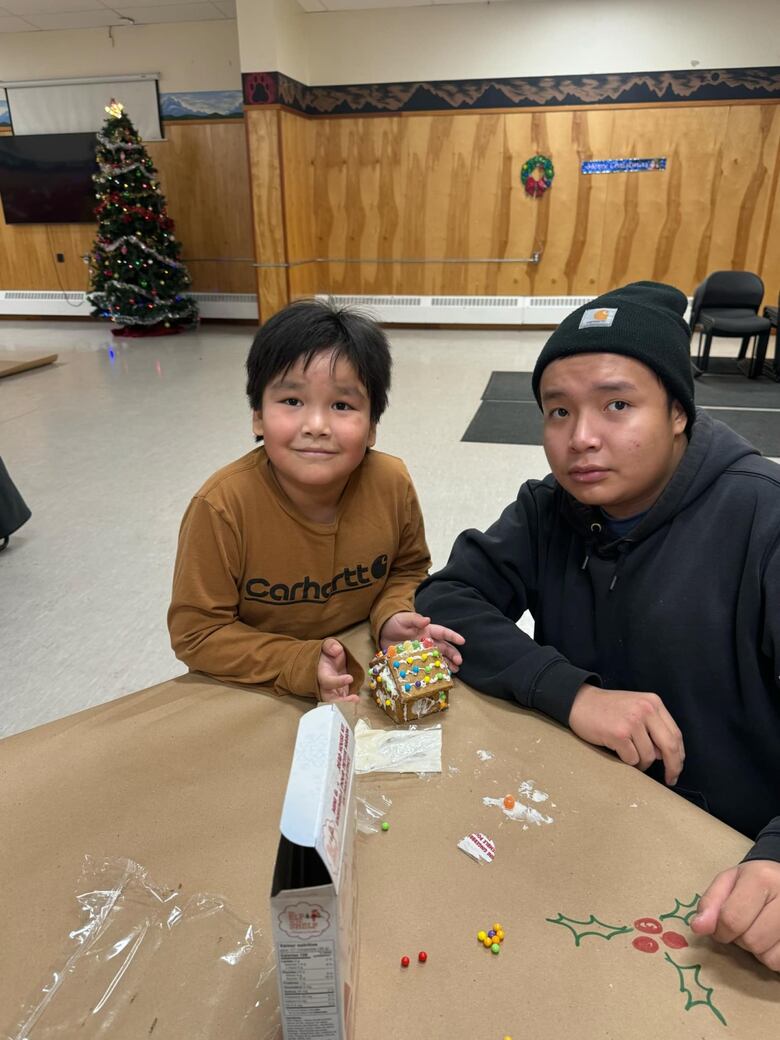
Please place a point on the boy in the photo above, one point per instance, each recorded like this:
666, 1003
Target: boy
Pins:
311, 533
650, 560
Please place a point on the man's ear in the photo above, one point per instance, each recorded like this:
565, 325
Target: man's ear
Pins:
257, 424
371, 435
679, 418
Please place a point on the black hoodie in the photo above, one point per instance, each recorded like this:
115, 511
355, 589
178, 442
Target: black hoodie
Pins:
686, 605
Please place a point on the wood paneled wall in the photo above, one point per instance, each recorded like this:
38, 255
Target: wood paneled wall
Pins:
204, 174
448, 186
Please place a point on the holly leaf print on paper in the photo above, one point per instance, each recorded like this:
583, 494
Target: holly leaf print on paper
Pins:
691, 907
693, 989
594, 927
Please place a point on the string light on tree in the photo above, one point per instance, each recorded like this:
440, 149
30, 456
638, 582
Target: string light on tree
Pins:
135, 241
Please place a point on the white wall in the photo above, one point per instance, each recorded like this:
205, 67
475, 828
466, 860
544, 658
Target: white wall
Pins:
188, 55
275, 36
526, 38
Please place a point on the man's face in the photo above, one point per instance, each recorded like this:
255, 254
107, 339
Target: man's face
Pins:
610, 436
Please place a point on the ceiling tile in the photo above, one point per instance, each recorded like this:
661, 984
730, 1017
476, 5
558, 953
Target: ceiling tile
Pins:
75, 19
10, 24
122, 4
26, 8
184, 12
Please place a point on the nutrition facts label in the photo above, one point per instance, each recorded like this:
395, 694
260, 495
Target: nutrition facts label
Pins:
308, 984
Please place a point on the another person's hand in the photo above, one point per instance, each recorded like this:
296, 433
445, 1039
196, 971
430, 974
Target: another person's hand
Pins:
408, 625
636, 726
742, 905
332, 679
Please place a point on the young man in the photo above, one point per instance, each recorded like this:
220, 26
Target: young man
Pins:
650, 561
313, 531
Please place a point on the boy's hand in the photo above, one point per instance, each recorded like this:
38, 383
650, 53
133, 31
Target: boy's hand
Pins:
742, 905
408, 625
636, 726
333, 683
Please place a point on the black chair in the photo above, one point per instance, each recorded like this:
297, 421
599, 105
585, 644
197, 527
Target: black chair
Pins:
726, 304
773, 369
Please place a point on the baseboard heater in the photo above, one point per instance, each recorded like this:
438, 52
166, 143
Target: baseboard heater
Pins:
400, 310
22, 303
465, 310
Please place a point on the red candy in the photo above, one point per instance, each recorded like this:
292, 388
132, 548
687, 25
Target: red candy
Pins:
648, 924
674, 940
645, 944
404, 962
427, 642
422, 956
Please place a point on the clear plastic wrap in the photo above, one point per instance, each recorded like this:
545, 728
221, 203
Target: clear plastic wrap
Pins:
145, 958
370, 814
415, 749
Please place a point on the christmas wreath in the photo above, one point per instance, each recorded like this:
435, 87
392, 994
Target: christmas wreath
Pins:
533, 187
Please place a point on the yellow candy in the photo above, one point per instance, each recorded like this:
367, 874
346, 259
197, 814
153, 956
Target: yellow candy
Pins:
409, 660
388, 703
497, 928
500, 935
487, 942
482, 936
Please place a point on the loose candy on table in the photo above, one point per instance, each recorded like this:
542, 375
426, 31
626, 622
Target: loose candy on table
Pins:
495, 948
385, 825
404, 962
422, 956
482, 936
509, 802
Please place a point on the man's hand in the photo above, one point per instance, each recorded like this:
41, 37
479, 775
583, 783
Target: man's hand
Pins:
332, 679
636, 726
742, 905
408, 625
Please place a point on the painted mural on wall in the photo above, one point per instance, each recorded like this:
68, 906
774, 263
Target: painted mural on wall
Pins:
182, 105
202, 104
625, 88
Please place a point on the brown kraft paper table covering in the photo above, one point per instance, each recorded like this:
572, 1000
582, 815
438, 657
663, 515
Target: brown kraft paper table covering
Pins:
188, 778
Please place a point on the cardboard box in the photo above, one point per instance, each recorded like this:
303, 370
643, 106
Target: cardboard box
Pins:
314, 895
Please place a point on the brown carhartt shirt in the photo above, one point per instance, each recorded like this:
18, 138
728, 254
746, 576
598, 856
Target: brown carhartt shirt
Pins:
257, 586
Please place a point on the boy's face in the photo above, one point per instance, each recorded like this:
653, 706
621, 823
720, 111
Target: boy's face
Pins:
317, 426
609, 434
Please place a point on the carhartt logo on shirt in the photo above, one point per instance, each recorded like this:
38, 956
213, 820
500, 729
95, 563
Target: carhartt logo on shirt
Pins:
598, 317
350, 579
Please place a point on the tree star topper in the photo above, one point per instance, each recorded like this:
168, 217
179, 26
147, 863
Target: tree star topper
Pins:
115, 109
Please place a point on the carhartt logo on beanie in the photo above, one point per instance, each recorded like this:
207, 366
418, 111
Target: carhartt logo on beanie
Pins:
643, 320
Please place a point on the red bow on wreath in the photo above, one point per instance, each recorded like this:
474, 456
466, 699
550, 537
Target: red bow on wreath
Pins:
535, 187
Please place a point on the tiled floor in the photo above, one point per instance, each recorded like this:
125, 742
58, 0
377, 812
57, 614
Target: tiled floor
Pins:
107, 447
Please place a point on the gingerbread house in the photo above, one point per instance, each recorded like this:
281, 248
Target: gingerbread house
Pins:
410, 680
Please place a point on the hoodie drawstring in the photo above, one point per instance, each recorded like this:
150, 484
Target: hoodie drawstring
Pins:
622, 550
595, 529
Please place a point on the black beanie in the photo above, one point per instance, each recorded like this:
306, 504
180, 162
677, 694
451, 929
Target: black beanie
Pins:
643, 320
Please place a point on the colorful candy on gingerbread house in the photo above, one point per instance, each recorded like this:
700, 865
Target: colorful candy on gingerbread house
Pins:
410, 680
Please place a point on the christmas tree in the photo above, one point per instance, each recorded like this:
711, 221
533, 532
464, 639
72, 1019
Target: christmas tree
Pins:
137, 278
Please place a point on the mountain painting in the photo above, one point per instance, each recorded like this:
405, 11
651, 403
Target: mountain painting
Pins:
202, 104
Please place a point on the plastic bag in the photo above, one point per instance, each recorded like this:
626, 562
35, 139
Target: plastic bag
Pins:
412, 750
147, 960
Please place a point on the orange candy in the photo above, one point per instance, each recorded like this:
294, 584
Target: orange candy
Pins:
509, 802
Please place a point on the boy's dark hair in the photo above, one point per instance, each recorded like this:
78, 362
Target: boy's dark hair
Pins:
306, 328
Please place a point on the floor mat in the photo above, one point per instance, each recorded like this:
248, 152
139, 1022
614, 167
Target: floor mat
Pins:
509, 413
